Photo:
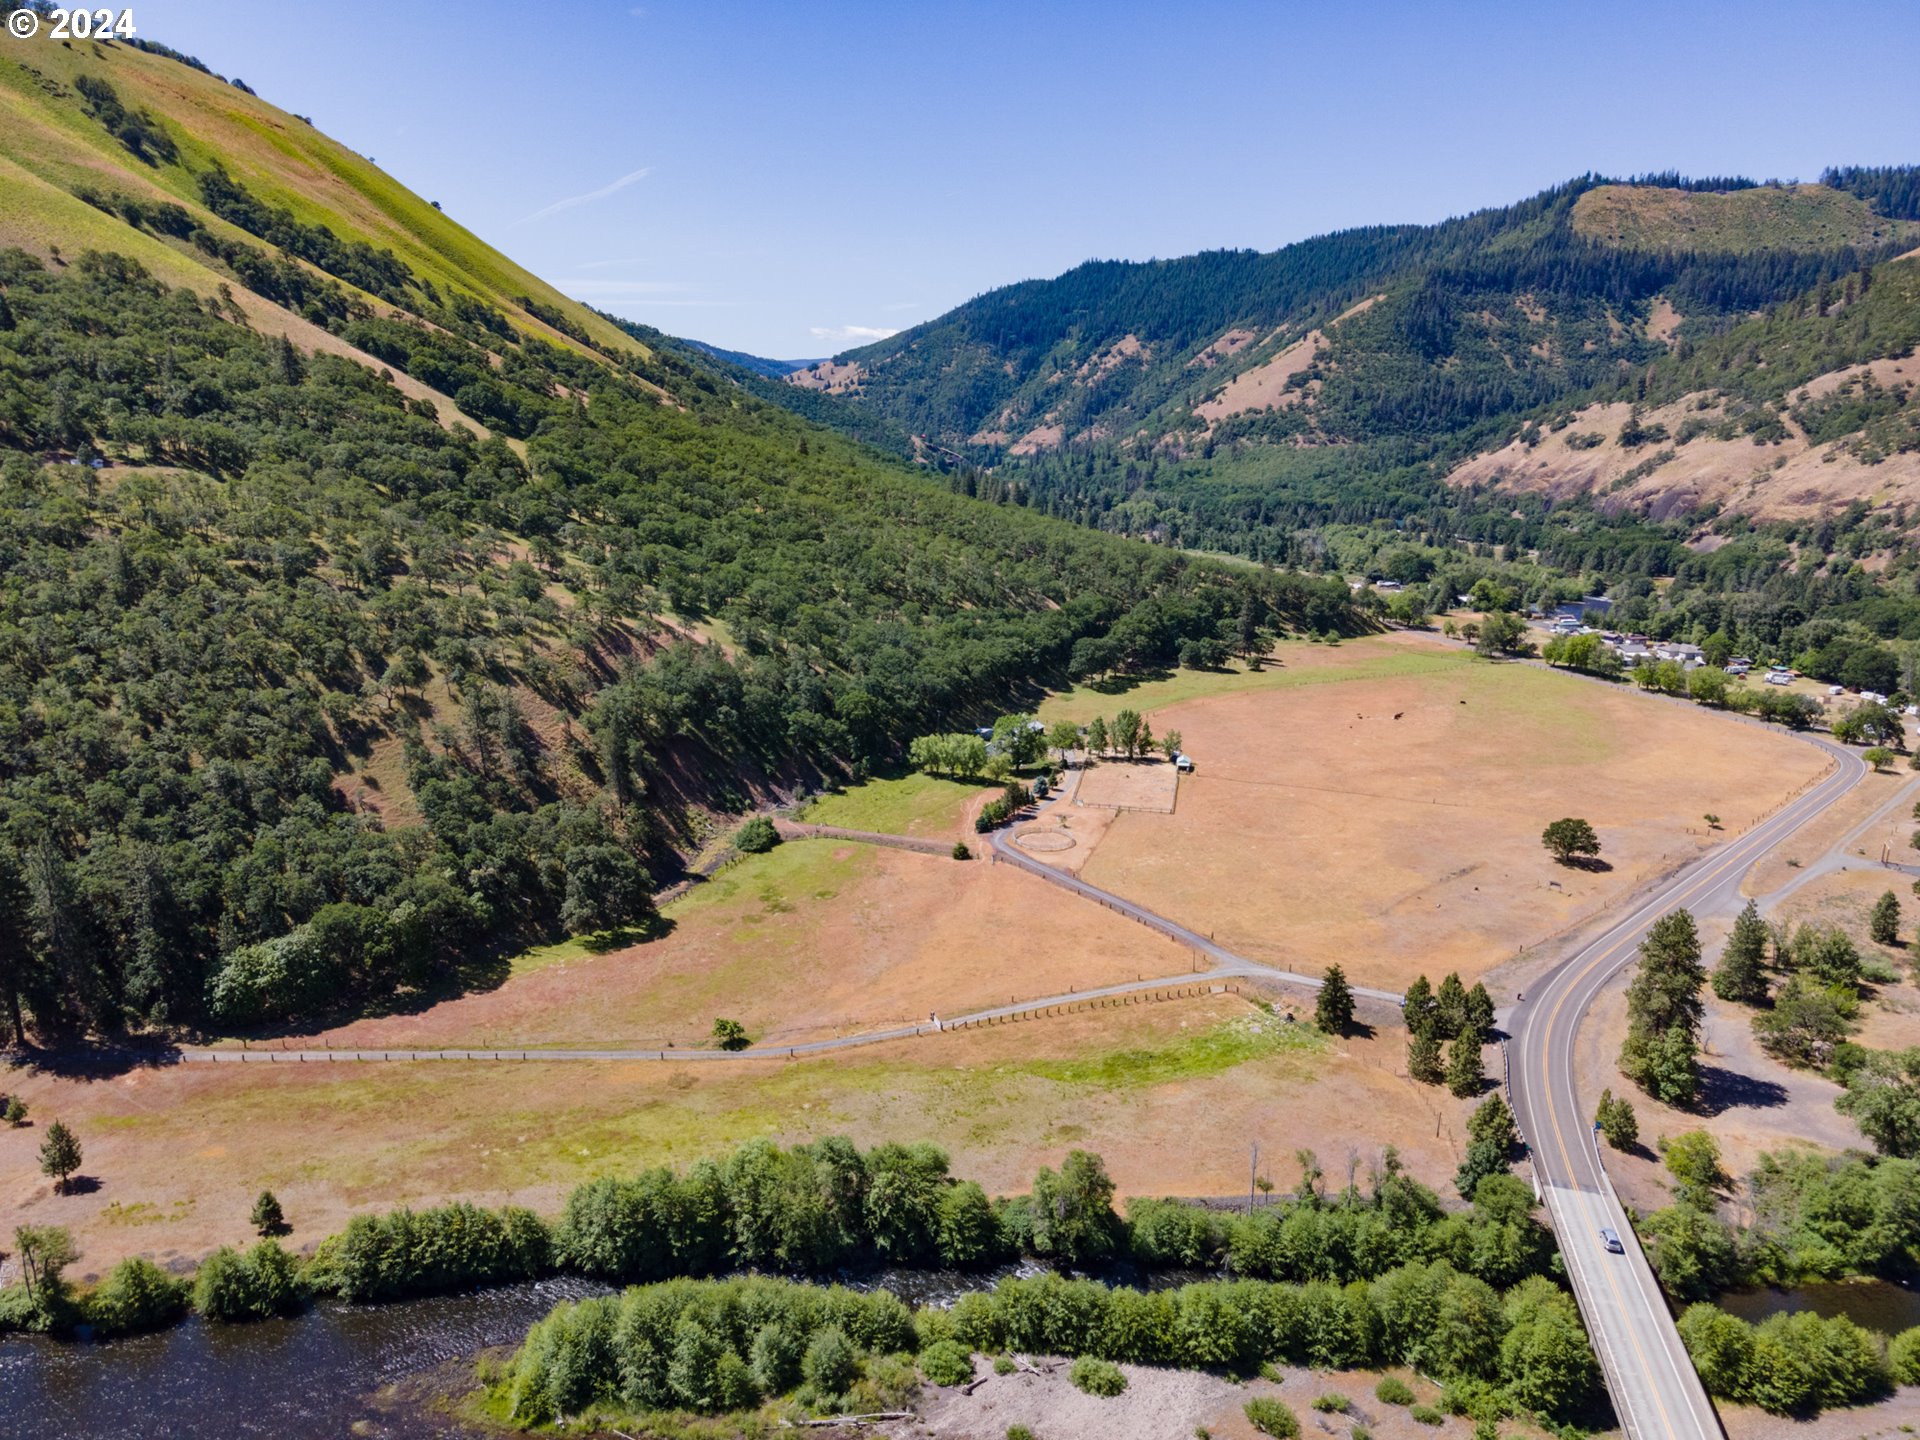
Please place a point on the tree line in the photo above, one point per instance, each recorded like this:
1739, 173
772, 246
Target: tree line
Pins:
725, 1345
818, 1209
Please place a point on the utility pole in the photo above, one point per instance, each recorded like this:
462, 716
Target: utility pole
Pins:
1253, 1173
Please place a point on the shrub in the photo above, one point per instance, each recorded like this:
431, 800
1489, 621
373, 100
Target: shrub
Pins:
1903, 1357
831, 1364
947, 1362
1004, 1365
232, 1288
1097, 1377
1019, 1432
1331, 1403
1427, 1415
730, 1035
756, 837
1168, 1233
1272, 1417
1392, 1390
428, 1252
960, 850
137, 1295
1789, 1364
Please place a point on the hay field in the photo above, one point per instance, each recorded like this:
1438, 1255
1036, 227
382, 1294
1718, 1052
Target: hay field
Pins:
816, 938
1382, 806
1169, 1094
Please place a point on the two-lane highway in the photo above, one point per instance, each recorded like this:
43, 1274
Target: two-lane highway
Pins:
1655, 1390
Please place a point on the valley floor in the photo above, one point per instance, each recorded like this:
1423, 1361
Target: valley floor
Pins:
1318, 828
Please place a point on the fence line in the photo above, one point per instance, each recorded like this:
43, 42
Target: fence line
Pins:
794, 830
1098, 1002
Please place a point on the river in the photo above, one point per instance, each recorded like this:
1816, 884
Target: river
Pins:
1876, 1304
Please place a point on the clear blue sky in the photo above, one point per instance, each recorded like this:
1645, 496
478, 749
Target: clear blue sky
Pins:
799, 177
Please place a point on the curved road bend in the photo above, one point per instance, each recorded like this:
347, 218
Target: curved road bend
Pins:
1225, 962
1655, 1390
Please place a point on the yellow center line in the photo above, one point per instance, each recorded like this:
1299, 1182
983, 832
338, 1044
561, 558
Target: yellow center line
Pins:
1633, 1333
1711, 874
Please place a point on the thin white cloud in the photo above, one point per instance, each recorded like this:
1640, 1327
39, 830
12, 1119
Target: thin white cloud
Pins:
618, 287
602, 193
852, 332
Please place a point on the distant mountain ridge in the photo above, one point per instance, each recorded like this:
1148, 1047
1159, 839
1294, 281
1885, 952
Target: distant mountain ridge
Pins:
759, 364
1119, 390
1115, 348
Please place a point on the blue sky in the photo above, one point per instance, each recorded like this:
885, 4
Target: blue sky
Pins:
792, 179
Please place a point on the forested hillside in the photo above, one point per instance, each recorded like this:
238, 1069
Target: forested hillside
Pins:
366, 607
1695, 396
1467, 322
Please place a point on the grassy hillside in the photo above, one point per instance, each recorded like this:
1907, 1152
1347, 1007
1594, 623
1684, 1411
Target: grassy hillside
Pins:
318, 693
1761, 217
50, 131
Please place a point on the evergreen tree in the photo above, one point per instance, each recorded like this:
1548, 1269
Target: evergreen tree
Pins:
1617, 1122
1664, 1011
1465, 1073
267, 1217
1247, 630
1450, 1007
59, 1155
16, 936
1492, 1124
1417, 1005
1333, 1010
1423, 1057
1481, 1160
1097, 740
57, 938
1741, 975
1479, 1013
1672, 1070
1884, 924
